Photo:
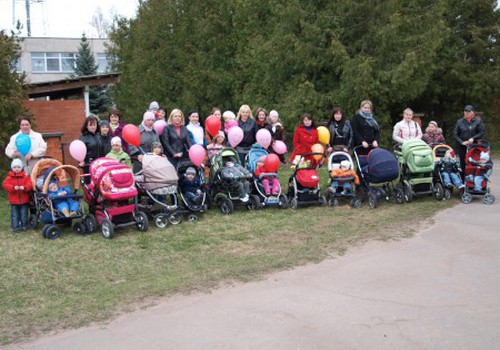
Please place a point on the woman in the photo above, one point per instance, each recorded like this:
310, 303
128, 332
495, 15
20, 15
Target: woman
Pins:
91, 138
148, 136
116, 126
105, 138
261, 119
304, 136
433, 135
196, 132
247, 123
341, 136
365, 128
175, 139
406, 129
38, 145
216, 112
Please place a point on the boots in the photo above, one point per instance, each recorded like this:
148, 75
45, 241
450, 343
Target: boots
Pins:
66, 212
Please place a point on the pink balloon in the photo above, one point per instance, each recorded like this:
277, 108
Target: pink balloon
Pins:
279, 147
235, 135
197, 154
159, 125
78, 150
263, 137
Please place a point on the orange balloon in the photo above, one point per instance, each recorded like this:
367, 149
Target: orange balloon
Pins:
318, 148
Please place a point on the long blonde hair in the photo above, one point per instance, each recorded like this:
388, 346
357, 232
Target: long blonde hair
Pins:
242, 109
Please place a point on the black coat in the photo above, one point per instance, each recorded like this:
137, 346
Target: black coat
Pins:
464, 131
106, 144
94, 145
363, 131
249, 130
341, 134
173, 143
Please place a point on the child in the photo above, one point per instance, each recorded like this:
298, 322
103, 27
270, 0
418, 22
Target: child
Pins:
277, 131
216, 145
448, 168
105, 138
486, 168
190, 186
118, 153
344, 171
195, 129
300, 162
157, 149
18, 186
235, 175
229, 121
261, 169
67, 206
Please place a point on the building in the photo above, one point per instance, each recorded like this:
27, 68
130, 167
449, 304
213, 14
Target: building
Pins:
51, 59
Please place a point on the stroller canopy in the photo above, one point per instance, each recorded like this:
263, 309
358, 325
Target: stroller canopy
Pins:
382, 166
253, 156
418, 155
157, 172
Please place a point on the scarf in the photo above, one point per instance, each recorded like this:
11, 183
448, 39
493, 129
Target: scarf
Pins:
146, 128
368, 117
275, 126
261, 122
114, 126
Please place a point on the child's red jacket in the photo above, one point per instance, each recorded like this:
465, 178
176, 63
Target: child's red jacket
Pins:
19, 179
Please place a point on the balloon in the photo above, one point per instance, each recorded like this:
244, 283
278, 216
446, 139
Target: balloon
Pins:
213, 124
263, 137
317, 148
272, 163
235, 135
159, 125
23, 144
323, 135
78, 150
197, 154
132, 135
279, 147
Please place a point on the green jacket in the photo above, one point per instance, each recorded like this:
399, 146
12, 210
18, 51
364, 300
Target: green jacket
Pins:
121, 156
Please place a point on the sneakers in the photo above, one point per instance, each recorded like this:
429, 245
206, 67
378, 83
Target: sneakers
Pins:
245, 199
275, 193
461, 187
343, 193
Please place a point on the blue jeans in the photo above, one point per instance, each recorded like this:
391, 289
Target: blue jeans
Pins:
19, 217
346, 186
478, 181
449, 178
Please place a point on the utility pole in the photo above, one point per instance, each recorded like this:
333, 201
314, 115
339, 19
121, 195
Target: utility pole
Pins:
28, 19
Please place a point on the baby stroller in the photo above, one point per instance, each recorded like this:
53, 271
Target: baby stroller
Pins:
193, 208
377, 171
45, 206
157, 185
303, 185
257, 186
473, 168
225, 188
332, 196
109, 195
416, 166
439, 152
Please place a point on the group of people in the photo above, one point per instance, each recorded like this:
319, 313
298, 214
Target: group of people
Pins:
105, 138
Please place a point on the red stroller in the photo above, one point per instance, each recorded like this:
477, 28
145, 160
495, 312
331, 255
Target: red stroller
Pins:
478, 168
111, 196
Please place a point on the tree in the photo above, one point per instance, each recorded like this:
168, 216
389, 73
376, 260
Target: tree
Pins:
100, 24
85, 65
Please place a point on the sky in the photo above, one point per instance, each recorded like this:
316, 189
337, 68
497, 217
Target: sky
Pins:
62, 18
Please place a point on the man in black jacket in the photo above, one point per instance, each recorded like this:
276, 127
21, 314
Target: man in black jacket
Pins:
467, 130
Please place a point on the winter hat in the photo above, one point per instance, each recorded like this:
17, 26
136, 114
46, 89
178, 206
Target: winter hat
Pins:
156, 144
432, 122
154, 105
273, 113
16, 162
262, 159
104, 123
469, 108
484, 156
345, 163
116, 141
190, 171
228, 114
148, 116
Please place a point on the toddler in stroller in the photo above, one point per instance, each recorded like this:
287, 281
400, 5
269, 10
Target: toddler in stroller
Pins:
192, 188
66, 205
343, 179
449, 172
478, 169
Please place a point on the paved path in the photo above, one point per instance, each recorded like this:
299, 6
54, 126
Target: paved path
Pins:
438, 290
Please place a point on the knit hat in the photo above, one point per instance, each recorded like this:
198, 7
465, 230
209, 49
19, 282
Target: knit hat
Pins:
148, 116
116, 141
219, 134
156, 144
484, 156
228, 114
345, 163
104, 123
262, 159
190, 171
469, 108
432, 122
154, 105
273, 113
16, 162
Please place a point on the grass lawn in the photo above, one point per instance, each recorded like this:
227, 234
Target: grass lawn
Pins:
72, 281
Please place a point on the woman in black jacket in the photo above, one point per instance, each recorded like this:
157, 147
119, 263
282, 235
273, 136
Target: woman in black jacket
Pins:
365, 128
247, 123
175, 139
341, 135
92, 140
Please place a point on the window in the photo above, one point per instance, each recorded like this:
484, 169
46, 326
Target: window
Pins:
102, 63
17, 65
52, 62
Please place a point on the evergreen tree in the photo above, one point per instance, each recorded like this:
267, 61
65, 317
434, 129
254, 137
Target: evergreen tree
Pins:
85, 65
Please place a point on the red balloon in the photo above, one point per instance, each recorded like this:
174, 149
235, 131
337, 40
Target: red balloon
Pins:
212, 124
132, 135
272, 163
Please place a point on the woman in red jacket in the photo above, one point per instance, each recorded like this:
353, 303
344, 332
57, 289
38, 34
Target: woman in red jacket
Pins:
18, 186
304, 137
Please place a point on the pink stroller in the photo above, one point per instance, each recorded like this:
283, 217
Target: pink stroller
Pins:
111, 196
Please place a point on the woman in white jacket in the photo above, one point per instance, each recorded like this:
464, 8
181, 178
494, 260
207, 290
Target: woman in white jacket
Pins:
406, 129
38, 145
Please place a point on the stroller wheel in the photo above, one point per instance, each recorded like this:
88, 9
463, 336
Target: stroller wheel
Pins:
466, 197
333, 202
107, 229
90, 223
52, 232
372, 200
44, 230
175, 218
161, 220
322, 201
79, 228
439, 191
141, 221
192, 217
355, 202
283, 201
447, 193
489, 198
408, 193
400, 197
226, 206
254, 202
294, 203
33, 221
